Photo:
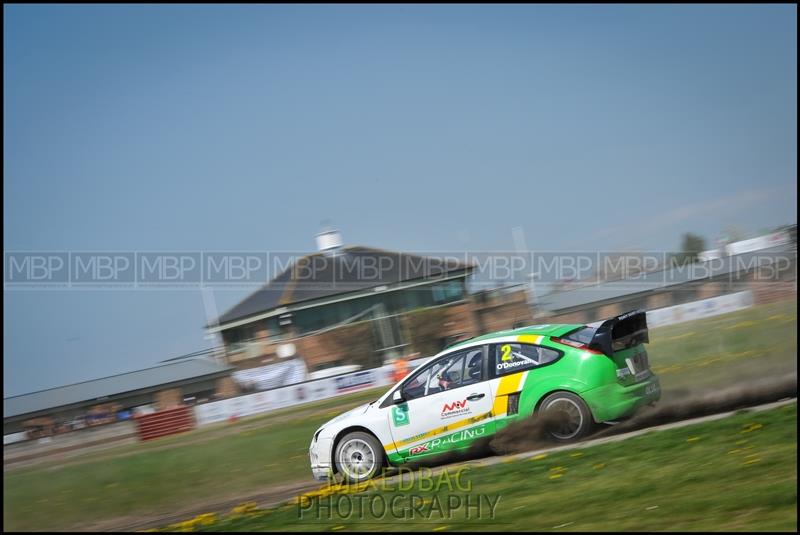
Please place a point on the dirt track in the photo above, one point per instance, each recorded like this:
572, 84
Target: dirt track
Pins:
266, 498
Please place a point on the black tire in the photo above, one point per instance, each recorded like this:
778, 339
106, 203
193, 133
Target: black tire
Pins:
566, 417
359, 457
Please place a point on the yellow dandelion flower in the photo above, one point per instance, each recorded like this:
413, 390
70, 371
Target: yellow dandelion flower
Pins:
249, 507
206, 519
751, 427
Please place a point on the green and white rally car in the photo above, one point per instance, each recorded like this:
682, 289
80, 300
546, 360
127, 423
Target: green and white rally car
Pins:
583, 374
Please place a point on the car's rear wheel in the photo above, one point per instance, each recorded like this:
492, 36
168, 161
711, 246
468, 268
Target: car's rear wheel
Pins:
566, 417
359, 457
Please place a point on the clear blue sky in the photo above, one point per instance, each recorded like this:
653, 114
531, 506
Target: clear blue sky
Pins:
409, 127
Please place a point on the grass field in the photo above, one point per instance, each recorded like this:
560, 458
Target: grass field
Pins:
707, 354
221, 460
739, 473
227, 460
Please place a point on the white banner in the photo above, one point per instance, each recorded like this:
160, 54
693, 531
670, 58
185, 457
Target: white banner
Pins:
14, 437
759, 243
699, 309
294, 395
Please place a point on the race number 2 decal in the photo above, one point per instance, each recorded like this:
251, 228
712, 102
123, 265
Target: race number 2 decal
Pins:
400, 415
506, 352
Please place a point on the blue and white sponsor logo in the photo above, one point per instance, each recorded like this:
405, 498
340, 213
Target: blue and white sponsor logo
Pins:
355, 381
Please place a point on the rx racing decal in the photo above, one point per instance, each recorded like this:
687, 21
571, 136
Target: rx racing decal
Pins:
449, 441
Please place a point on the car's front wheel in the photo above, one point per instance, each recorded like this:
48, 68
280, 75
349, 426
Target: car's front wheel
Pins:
566, 417
359, 457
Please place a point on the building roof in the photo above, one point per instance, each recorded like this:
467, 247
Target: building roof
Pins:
655, 280
350, 269
87, 391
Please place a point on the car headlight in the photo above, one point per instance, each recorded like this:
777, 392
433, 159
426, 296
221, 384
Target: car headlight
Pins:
316, 435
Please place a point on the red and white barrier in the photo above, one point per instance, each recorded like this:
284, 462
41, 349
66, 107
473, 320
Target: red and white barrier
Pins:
166, 422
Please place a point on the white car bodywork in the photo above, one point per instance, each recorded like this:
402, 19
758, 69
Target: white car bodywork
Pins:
368, 416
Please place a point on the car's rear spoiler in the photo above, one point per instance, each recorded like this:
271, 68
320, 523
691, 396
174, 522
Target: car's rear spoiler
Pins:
621, 332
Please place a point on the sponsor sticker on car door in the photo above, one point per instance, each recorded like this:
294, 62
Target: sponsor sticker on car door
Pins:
400, 415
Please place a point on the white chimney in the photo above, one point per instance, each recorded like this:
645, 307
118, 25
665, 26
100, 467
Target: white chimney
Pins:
329, 240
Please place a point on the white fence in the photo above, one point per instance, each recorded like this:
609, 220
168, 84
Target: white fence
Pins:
700, 309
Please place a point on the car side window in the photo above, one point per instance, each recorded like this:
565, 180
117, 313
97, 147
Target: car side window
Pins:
473, 367
450, 371
415, 387
448, 376
512, 358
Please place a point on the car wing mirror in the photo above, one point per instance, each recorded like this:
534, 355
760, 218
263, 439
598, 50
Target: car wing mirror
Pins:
397, 397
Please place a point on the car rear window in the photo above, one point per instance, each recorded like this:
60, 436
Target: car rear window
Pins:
583, 335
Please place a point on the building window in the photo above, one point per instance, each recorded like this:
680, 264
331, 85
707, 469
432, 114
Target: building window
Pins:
448, 292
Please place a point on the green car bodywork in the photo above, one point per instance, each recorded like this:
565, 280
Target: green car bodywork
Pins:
591, 377
610, 385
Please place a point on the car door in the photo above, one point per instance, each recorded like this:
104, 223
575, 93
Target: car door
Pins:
446, 405
514, 365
